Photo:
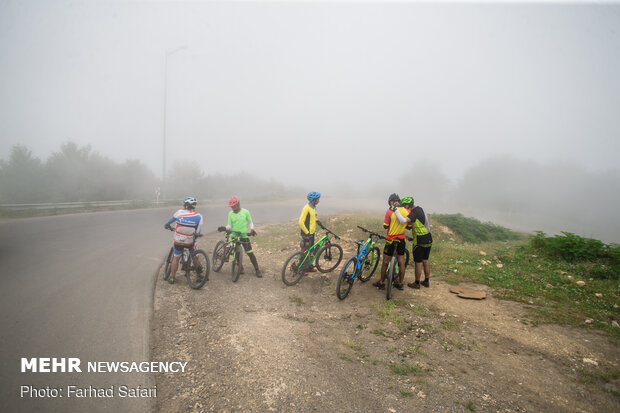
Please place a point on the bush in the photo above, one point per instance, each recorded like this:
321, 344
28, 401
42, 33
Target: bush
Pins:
576, 249
472, 230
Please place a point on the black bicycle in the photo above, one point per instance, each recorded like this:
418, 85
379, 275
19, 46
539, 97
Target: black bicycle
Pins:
230, 249
195, 264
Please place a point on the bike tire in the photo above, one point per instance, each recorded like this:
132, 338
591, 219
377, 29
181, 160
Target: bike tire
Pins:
331, 254
168, 263
219, 255
346, 278
194, 279
370, 266
237, 263
294, 274
390, 278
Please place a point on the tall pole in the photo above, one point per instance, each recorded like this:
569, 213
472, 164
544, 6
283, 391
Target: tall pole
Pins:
168, 54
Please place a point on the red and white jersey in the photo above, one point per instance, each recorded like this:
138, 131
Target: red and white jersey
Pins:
187, 223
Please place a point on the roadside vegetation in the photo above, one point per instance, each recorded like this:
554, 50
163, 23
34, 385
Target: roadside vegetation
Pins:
564, 279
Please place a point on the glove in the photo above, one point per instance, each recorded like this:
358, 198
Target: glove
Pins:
393, 207
319, 223
167, 226
252, 232
221, 229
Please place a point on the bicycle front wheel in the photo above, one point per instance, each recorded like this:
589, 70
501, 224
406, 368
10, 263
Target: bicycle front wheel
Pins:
346, 279
390, 278
328, 257
370, 264
197, 276
168, 263
291, 273
237, 263
219, 255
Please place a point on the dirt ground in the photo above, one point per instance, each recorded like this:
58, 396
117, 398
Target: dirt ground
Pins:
258, 345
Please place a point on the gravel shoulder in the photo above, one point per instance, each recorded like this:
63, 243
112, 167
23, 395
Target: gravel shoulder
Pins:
257, 345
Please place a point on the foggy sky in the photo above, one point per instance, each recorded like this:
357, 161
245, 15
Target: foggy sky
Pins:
312, 93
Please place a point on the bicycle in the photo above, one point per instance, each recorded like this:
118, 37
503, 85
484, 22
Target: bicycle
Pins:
361, 266
196, 276
393, 267
322, 250
230, 248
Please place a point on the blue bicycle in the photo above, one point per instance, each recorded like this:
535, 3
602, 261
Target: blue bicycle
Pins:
362, 265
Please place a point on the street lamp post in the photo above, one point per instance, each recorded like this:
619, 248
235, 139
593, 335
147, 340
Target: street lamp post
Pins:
168, 54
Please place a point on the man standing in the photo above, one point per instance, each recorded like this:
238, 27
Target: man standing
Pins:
422, 242
239, 220
394, 242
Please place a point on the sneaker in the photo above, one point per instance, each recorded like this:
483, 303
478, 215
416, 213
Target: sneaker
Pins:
379, 285
415, 285
399, 286
171, 280
425, 283
259, 274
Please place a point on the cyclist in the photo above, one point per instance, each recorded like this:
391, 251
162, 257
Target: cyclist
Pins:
394, 242
188, 224
308, 221
239, 220
422, 242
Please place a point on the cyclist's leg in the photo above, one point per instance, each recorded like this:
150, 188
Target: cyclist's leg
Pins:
388, 251
426, 266
247, 246
417, 259
307, 241
400, 249
174, 265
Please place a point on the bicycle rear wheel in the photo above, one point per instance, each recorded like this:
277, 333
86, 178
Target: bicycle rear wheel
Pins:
291, 273
328, 257
219, 255
390, 278
198, 276
370, 264
346, 279
237, 263
167, 264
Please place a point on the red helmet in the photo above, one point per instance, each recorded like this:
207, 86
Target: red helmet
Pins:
233, 201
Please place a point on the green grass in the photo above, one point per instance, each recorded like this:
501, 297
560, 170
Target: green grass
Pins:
472, 230
407, 369
297, 300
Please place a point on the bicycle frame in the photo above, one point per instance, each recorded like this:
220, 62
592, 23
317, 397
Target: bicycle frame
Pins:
313, 251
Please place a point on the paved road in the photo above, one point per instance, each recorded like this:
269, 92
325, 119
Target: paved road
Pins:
81, 285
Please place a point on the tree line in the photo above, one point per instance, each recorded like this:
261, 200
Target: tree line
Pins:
78, 174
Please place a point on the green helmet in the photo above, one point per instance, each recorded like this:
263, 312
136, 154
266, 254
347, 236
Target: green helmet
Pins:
406, 200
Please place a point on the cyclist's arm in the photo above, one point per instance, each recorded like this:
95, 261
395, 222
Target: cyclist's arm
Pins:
199, 228
386, 221
229, 224
250, 223
401, 219
302, 220
170, 221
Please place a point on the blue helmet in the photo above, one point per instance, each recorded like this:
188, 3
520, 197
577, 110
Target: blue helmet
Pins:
313, 196
189, 202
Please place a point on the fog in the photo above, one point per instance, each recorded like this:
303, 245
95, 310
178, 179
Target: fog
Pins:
477, 108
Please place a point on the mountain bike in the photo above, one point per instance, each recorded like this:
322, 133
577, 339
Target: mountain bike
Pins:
361, 266
230, 249
324, 254
393, 269
197, 275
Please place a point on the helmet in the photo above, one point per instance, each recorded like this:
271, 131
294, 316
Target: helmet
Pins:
407, 200
233, 201
189, 202
313, 195
392, 198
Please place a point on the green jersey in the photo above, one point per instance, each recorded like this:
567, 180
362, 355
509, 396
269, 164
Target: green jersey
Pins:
239, 221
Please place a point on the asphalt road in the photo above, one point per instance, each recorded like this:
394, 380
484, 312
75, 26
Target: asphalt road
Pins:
81, 285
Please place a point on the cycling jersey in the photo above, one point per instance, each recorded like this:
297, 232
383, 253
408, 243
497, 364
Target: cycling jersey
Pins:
307, 219
239, 221
188, 223
396, 230
421, 227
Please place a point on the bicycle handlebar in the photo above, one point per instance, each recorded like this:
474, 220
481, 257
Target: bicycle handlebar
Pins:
371, 233
323, 226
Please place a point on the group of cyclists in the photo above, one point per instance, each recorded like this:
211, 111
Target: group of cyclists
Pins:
401, 215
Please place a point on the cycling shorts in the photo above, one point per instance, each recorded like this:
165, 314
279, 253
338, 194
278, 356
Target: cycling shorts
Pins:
178, 249
307, 240
247, 245
421, 253
398, 244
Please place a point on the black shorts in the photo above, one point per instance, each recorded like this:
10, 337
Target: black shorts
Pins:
247, 246
399, 244
307, 240
421, 253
